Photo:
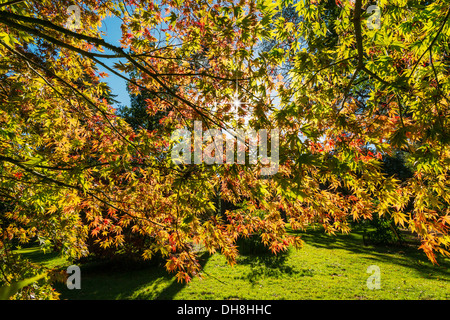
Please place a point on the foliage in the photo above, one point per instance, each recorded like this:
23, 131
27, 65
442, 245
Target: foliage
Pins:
71, 167
36, 283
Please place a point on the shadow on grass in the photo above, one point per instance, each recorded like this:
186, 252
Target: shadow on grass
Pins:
168, 293
36, 255
267, 266
119, 281
406, 255
263, 263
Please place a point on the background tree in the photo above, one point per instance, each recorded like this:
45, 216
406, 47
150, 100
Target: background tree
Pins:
136, 114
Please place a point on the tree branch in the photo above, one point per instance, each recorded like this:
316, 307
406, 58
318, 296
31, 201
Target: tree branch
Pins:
6, 16
77, 188
358, 33
9, 3
88, 100
431, 44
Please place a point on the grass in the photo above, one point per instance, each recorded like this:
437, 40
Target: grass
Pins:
49, 260
327, 267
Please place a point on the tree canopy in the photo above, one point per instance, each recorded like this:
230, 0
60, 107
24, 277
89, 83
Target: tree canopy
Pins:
348, 96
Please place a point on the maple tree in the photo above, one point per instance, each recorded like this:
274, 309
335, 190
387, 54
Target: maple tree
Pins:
73, 168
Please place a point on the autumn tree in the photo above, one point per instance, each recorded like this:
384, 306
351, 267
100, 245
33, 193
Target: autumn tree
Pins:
70, 165
381, 85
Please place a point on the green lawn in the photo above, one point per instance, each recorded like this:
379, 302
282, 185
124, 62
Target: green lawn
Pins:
328, 267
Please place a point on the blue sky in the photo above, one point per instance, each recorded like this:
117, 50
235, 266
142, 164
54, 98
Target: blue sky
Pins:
111, 26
